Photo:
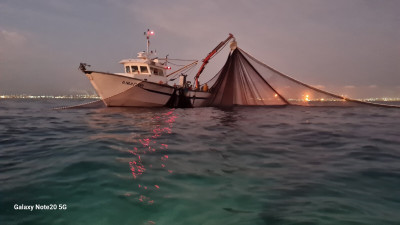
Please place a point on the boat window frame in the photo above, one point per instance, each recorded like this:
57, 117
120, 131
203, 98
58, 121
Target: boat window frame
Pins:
160, 71
147, 69
155, 71
137, 69
127, 69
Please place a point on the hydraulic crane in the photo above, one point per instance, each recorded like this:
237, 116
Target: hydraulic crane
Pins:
209, 56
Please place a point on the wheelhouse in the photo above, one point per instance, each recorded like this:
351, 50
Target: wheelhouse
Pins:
144, 69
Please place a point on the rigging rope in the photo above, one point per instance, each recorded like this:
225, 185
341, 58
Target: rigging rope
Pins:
183, 68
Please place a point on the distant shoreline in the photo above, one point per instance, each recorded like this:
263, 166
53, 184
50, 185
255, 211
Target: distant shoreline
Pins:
382, 99
49, 97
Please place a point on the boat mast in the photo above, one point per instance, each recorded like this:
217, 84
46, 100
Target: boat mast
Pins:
148, 34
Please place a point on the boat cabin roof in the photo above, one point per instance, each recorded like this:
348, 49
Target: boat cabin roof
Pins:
133, 61
142, 62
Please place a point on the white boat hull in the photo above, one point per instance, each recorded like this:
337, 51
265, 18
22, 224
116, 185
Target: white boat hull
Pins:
198, 98
118, 90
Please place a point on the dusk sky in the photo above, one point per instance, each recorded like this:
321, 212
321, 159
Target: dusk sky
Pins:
347, 47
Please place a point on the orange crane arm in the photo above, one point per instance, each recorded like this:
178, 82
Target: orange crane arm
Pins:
206, 59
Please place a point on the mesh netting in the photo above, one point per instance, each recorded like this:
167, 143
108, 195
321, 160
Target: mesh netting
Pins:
239, 83
244, 80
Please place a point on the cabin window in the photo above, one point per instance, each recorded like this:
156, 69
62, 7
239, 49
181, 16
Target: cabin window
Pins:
143, 69
160, 72
127, 69
135, 69
155, 71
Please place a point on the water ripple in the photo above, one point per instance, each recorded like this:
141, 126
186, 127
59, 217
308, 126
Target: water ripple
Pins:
243, 165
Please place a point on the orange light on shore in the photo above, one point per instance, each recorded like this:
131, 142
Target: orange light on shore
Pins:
307, 98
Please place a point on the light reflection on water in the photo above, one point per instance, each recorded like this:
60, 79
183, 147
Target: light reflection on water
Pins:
150, 145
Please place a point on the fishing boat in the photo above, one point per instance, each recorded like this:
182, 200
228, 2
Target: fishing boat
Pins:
145, 82
243, 80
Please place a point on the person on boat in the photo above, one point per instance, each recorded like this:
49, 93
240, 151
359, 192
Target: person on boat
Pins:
205, 87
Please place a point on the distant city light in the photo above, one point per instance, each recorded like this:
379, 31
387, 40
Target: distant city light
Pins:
94, 96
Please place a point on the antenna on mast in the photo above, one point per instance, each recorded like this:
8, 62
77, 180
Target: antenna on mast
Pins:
148, 34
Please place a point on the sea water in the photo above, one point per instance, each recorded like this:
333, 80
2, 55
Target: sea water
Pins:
241, 165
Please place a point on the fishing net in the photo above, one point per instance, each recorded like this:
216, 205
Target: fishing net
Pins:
244, 80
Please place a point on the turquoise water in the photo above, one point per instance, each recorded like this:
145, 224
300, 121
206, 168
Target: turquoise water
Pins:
244, 165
